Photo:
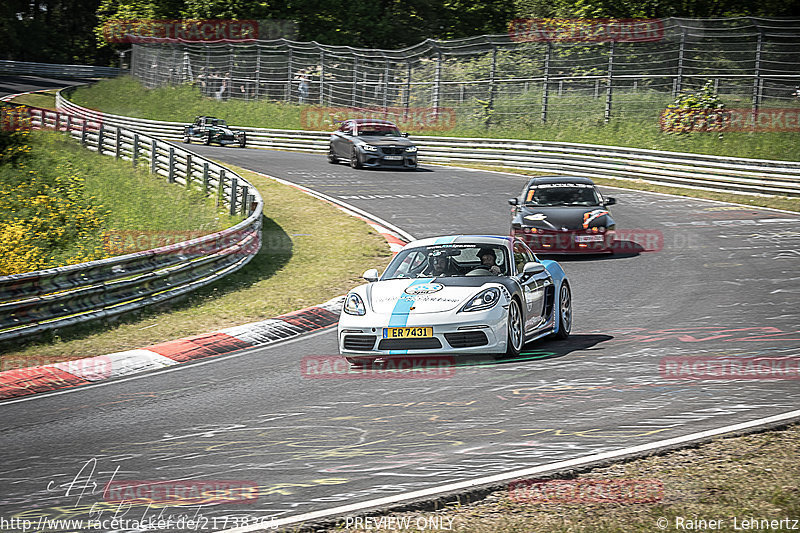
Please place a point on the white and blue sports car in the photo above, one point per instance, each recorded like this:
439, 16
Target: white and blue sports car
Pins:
456, 294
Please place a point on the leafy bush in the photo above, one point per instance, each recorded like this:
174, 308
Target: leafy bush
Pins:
698, 111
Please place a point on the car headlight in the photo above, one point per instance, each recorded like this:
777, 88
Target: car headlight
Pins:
411, 149
369, 148
354, 305
483, 300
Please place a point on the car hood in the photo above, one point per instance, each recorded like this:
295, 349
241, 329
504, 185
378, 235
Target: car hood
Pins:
425, 295
572, 218
386, 141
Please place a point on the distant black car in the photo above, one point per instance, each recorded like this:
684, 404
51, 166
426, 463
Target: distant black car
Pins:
372, 143
213, 130
563, 214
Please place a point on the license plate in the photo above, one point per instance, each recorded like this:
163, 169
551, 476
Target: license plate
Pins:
393, 157
588, 238
407, 333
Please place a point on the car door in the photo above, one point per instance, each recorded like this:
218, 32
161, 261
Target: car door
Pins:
533, 287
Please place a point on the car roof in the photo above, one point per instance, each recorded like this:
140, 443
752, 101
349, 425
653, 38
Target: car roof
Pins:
370, 121
559, 179
463, 239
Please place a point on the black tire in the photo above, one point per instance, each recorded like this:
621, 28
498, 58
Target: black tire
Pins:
207, 138
564, 312
332, 159
355, 162
516, 329
186, 137
242, 140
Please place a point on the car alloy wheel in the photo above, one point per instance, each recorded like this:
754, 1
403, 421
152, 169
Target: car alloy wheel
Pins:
355, 162
186, 137
516, 332
207, 138
564, 312
332, 159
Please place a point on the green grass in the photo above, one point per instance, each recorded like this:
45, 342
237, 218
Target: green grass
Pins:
46, 100
571, 119
749, 477
301, 263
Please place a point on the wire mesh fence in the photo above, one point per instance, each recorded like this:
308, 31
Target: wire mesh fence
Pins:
752, 62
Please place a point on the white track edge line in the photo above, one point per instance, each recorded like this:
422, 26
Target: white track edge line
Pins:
514, 474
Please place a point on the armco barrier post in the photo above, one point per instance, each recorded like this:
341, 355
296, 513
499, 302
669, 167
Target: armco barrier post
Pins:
118, 147
205, 177
220, 186
135, 150
171, 166
83, 133
243, 209
100, 140
188, 170
153, 157
234, 186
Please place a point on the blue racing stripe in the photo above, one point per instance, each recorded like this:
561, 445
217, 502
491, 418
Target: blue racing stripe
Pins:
401, 309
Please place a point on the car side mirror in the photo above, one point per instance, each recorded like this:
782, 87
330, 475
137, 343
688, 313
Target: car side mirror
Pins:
532, 268
370, 275
404, 134
610, 201
513, 201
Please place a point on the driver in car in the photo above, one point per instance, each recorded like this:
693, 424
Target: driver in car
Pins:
439, 265
489, 260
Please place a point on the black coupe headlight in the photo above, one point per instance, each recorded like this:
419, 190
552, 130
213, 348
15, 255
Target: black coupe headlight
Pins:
369, 148
411, 149
482, 301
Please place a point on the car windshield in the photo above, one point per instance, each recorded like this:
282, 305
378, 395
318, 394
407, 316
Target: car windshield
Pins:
552, 194
219, 122
449, 260
378, 130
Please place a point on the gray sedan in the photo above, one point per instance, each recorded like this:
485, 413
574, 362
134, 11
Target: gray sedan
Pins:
370, 143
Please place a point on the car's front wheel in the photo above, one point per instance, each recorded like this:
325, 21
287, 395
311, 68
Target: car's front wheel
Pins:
564, 312
355, 161
516, 329
186, 137
207, 138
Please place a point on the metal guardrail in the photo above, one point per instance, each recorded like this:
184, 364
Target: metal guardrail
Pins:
35, 302
676, 169
54, 69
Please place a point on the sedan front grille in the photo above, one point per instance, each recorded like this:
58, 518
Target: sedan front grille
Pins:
393, 150
429, 343
362, 343
466, 339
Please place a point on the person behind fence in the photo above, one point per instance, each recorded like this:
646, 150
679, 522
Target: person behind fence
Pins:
302, 78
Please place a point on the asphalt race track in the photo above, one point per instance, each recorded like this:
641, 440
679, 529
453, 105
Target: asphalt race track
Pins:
697, 278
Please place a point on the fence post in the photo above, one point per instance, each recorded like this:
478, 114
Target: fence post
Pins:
408, 90
243, 209
757, 74
355, 79
153, 157
69, 124
258, 70
135, 150
118, 146
220, 186
437, 82
609, 89
100, 140
205, 177
678, 87
289, 75
492, 86
188, 170
321, 76
546, 84
83, 133
234, 187
385, 82
597, 88
171, 167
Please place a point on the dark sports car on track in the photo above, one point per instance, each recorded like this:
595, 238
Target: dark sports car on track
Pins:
563, 215
369, 143
213, 130
458, 294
